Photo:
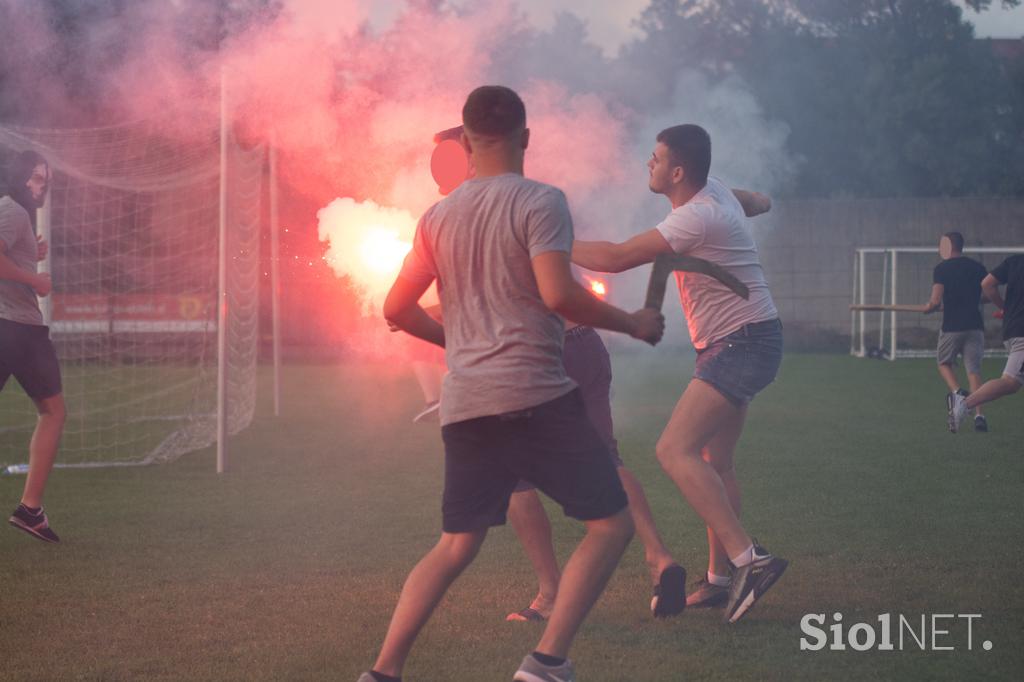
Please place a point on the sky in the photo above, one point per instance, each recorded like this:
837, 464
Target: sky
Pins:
610, 21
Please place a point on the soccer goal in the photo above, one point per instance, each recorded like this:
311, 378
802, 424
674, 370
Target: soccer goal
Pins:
154, 254
892, 277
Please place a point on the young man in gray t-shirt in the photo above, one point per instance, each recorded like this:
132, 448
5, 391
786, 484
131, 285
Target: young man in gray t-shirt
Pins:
499, 249
25, 348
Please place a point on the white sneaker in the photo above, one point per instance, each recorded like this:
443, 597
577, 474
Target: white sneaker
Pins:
532, 670
429, 410
956, 405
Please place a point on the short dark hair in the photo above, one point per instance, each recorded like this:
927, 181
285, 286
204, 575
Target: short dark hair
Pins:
20, 168
690, 147
494, 110
956, 240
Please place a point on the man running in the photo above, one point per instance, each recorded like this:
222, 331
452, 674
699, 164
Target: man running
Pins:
499, 247
1011, 273
739, 350
956, 288
26, 351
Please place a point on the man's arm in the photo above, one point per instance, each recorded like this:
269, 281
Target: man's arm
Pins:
40, 282
990, 288
567, 297
402, 310
612, 257
935, 302
753, 203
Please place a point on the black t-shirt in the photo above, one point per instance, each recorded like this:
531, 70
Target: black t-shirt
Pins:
1011, 273
960, 278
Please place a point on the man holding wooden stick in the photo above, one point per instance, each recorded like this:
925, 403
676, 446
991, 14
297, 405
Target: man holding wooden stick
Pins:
739, 346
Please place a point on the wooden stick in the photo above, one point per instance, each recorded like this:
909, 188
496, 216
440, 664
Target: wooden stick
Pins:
898, 307
667, 263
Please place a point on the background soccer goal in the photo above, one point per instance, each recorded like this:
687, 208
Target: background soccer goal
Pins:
137, 259
903, 275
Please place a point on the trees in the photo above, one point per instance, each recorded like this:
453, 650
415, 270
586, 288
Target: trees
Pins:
883, 97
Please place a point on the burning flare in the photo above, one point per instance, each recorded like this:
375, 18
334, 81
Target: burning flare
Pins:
597, 287
367, 243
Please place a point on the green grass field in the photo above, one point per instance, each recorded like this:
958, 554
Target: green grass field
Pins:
287, 567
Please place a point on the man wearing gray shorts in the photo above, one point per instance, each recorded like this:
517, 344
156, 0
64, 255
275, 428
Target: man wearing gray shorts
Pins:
957, 289
1011, 273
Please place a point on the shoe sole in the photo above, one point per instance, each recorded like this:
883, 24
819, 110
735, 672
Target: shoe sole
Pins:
671, 597
16, 523
751, 597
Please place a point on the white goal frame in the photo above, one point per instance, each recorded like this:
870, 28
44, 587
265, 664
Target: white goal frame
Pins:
890, 261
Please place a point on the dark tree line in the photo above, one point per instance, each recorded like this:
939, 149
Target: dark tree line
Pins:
881, 97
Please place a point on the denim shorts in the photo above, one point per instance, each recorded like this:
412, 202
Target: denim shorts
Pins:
743, 363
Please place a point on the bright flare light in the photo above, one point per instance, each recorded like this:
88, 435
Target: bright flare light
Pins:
367, 243
597, 287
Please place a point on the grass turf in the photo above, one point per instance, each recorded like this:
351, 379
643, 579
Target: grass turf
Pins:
288, 566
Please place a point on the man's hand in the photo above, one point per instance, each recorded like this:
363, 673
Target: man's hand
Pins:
650, 325
42, 284
42, 248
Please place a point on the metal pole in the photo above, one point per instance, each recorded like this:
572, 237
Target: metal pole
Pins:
222, 288
892, 332
275, 272
861, 300
44, 229
853, 313
881, 314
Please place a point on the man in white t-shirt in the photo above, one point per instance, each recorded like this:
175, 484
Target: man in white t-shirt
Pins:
739, 350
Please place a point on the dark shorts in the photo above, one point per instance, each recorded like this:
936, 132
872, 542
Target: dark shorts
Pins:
552, 445
27, 353
587, 363
743, 363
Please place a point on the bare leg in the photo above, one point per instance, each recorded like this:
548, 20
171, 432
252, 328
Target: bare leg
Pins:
585, 575
993, 390
949, 376
701, 413
656, 554
423, 589
43, 448
532, 527
974, 380
719, 454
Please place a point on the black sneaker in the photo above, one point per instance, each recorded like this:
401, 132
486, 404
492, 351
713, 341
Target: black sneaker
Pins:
707, 595
36, 525
980, 423
750, 582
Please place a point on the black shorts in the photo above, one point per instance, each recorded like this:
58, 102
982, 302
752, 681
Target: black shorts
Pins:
552, 445
27, 352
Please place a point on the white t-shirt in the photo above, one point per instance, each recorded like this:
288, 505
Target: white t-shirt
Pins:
502, 344
712, 226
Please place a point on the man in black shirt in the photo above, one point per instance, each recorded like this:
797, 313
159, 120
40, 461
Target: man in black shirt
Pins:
957, 289
1011, 273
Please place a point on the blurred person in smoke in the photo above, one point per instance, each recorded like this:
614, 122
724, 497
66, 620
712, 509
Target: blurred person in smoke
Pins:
26, 351
739, 350
499, 248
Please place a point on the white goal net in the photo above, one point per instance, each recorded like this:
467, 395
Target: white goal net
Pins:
891, 275
133, 219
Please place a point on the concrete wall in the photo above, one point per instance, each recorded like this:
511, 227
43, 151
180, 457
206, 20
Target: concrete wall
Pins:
807, 249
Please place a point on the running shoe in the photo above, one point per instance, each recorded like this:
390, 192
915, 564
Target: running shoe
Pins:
751, 582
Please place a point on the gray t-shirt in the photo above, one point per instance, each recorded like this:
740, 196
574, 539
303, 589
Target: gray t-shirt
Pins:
503, 345
18, 302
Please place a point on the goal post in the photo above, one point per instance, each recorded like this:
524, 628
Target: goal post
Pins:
135, 248
891, 279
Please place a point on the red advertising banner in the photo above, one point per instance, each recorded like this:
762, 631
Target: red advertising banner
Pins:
117, 313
